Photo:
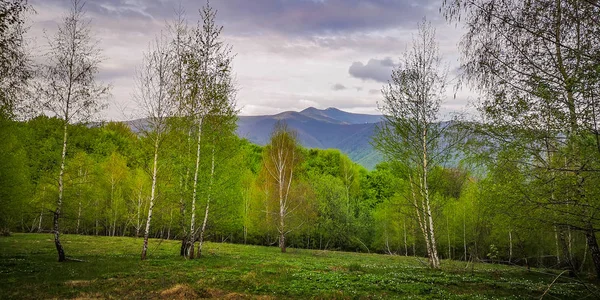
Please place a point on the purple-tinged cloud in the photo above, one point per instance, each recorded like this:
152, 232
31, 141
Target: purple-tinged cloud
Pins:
375, 69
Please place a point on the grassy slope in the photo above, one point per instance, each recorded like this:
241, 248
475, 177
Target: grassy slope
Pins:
28, 269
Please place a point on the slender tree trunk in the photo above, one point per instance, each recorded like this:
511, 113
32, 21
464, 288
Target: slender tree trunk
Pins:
246, 212
426, 232
170, 223
347, 206
184, 237
420, 210
152, 198
435, 261
112, 223
570, 242
465, 234
281, 210
78, 218
448, 230
192, 238
510, 247
414, 243
557, 245
59, 247
79, 198
138, 225
566, 254
40, 221
281, 215
282, 238
114, 226
592, 243
585, 252
282, 227
210, 186
405, 243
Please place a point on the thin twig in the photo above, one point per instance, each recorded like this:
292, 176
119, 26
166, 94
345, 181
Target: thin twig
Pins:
553, 281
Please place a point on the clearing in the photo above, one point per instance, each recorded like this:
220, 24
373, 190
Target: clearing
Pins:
111, 269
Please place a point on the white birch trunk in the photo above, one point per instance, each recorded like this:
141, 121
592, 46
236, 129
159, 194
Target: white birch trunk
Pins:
152, 198
420, 218
56, 228
435, 261
210, 186
192, 239
40, 221
281, 211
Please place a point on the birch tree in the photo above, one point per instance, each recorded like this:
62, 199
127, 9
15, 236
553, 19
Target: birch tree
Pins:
68, 87
281, 159
535, 64
412, 133
180, 42
154, 95
210, 92
222, 122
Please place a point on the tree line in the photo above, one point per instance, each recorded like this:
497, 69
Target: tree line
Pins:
524, 191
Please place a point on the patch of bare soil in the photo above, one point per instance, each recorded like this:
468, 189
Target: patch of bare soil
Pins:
77, 283
179, 291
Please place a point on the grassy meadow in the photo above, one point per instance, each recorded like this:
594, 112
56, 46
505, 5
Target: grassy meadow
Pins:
110, 268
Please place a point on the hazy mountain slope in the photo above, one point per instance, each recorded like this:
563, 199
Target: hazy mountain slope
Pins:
342, 116
328, 128
316, 128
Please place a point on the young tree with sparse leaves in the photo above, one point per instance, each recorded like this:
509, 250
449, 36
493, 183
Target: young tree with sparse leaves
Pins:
209, 95
154, 96
281, 160
412, 132
68, 88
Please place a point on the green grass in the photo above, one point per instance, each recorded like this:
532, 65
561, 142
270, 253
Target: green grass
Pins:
112, 269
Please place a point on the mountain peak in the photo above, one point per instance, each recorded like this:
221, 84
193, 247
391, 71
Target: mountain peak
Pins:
310, 109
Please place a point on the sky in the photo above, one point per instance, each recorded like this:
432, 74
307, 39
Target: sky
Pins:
290, 54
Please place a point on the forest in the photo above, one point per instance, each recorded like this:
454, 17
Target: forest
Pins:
518, 184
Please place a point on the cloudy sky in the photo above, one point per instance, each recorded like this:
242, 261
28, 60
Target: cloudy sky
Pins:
291, 54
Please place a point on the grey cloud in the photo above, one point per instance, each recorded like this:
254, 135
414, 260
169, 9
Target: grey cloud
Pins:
374, 92
298, 17
311, 17
310, 29
338, 87
375, 69
387, 62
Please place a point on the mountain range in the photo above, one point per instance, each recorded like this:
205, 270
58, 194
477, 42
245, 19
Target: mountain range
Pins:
320, 128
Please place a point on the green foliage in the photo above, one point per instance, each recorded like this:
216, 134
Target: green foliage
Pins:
344, 206
15, 186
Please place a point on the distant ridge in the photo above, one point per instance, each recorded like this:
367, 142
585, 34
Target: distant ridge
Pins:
320, 128
316, 128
